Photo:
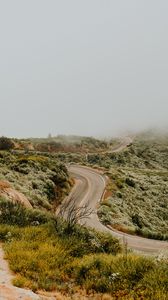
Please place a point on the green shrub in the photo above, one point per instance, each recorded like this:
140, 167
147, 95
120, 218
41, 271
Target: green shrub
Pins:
6, 143
117, 273
83, 241
130, 182
16, 214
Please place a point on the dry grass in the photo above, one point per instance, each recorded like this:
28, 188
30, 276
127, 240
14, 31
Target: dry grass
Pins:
4, 185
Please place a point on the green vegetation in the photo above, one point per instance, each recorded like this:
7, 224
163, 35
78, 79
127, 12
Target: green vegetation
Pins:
43, 179
129, 276
138, 202
44, 256
137, 193
6, 143
47, 253
16, 214
42, 252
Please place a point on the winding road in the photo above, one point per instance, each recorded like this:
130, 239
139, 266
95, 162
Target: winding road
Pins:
88, 190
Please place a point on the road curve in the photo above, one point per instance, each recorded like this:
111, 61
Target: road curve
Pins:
89, 188
125, 142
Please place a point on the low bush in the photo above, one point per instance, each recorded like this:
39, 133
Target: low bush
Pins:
84, 241
121, 275
6, 143
16, 214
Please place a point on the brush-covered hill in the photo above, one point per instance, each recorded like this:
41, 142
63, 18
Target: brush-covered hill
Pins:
63, 143
137, 196
43, 180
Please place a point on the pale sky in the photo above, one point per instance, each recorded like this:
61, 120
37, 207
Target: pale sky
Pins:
88, 67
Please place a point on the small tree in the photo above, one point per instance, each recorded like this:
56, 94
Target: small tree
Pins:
6, 143
73, 213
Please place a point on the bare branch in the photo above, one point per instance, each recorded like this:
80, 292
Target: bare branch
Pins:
73, 213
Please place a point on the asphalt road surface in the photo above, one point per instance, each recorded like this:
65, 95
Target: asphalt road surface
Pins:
88, 190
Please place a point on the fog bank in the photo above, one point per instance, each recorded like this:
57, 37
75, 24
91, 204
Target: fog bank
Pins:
83, 67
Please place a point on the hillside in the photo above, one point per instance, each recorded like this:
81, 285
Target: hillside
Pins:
42, 179
49, 255
136, 200
63, 143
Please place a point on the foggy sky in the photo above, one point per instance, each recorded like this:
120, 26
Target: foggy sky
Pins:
88, 67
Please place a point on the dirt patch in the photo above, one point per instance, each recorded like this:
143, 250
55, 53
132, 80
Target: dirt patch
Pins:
11, 194
4, 185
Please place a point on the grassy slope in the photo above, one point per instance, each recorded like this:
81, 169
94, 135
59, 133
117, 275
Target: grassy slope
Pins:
48, 257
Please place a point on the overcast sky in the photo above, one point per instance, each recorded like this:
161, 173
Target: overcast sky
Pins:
88, 67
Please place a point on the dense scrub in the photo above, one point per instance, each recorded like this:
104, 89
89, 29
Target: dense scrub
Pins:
137, 192
43, 179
